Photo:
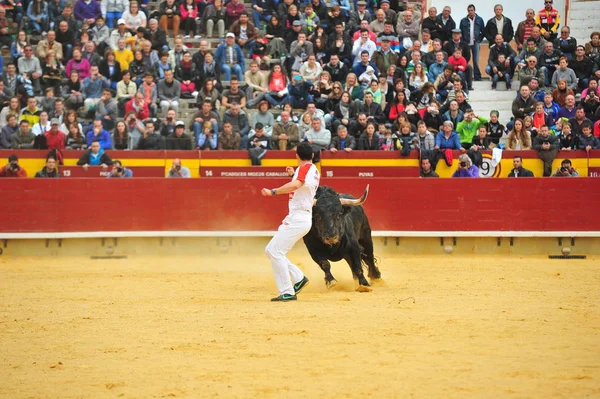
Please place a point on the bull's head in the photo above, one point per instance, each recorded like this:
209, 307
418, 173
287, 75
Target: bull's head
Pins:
329, 213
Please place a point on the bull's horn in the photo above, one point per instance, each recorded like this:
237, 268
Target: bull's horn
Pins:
356, 202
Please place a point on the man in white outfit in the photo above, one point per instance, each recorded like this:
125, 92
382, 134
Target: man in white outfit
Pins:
296, 224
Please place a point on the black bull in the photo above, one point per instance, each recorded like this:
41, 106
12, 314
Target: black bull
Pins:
340, 230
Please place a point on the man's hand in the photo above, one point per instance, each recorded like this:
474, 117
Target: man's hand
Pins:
588, 148
289, 170
283, 136
334, 150
104, 166
85, 167
266, 192
35, 75
507, 63
495, 70
348, 149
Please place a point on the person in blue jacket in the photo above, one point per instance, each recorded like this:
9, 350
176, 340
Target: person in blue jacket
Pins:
447, 138
100, 135
478, 27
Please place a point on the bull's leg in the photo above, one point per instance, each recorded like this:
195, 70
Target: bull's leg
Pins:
369, 258
330, 281
353, 259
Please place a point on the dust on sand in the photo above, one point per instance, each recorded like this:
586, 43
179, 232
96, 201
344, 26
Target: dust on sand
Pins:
203, 327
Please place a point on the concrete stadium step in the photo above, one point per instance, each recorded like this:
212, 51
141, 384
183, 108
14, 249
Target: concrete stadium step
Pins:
484, 100
583, 19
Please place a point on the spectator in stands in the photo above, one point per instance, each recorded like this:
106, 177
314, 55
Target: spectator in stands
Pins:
467, 129
209, 70
107, 109
285, 133
133, 17
233, 10
500, 47
169, 92
564, 73
239, 122
582, 65
186, 73
29, 66
162, 65
178, 171
12, 168
518, 170
168, 123
524, 104
92, 87
465, 167
95, 156
70, 119
565, 43
8, 130
17, 49
524, 29
203, 115
561, 92
170, 16
500, 72
120, 33
135, 129
49, 45
499, 24
37, 12
110, 69
176, 53
547, 147
121, 136
214, 14
318, 136
407, 29
229, 57
11, 80
66, 38
207, 138
75, 139
208, 92
447, 138
50, 170
55, 139
138, 106
587, 141
426, 168
7, 29
189, 13
23, 139
178, 140
234, 95
257, 85
579, 120
343, 141
590, 99
31, 113
569, 109
78, 64
228, 139
150, 140
99, 134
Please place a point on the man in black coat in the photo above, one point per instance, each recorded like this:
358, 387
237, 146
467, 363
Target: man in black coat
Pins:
436, 29
491, 28
157, 36
518, 169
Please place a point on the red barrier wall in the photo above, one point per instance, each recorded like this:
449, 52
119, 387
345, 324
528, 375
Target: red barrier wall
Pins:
147, 204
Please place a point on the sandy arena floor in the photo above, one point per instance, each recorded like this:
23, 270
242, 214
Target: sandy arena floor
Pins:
202, 328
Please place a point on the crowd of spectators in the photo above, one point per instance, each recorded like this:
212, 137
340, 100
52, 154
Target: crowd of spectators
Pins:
376, 76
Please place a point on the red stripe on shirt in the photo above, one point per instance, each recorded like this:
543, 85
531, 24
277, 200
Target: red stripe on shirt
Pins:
303, 171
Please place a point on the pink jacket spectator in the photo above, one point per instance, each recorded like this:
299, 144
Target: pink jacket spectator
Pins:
186, 14
83, 67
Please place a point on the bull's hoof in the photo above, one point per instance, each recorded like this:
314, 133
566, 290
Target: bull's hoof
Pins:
331, 284
364, 288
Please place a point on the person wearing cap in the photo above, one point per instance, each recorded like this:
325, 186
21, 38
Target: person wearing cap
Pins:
55, 139
120, 32
472, 29
384, 57
433, 24
178, 171
179, 140
499, 24
230, 57
12, 168
388, 31
361, 13
390, 14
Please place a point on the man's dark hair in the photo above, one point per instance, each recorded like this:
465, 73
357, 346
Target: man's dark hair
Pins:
304, 151
23, 122
518, 156
566, 162
530, 39
363, 30
364, 52
117, 162
13, 158
471, 6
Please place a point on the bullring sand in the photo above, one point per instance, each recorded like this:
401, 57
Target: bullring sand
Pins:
154, 327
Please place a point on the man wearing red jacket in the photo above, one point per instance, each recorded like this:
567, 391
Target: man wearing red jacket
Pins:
54, 137
139, 106
13, 169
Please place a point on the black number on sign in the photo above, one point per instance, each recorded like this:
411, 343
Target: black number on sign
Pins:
485, 169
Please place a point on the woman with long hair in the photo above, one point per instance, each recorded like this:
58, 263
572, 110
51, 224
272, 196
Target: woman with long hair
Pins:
13, 108
72, 92
110, 68
52, 73
518, 138
37, 12
69, 119
208, 92
121, 136
186, 74
17, 48
75, 140
292, 16
561, 92
320, 50
353, 87
277, 83
398, 105
402, 68
138, 67
344, 112
417, 78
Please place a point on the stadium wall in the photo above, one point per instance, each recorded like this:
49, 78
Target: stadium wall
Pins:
235, 205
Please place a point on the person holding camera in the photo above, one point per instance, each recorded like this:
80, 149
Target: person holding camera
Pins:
465, 167
119, 171
12, 168
566, 170
546, 145
168, 123
178, 171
